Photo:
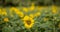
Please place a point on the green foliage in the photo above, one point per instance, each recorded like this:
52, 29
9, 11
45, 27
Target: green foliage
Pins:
15, 23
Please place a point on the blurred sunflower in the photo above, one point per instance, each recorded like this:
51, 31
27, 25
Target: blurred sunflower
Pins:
4, 11
32, 7
25, 9
13, 9
21, 14
54, 9
28, 22
6, 19
31, 15
17, 11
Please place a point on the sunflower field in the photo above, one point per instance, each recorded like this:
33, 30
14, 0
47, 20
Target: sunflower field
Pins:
30, 18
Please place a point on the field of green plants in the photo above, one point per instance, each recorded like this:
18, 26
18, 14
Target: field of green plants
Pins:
29, 17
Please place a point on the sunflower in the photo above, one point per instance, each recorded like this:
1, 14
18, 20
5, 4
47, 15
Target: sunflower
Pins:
28, 22
25, 9
21, 14
32, 7
54, 9
3, 12
13, 9
31, 15
17, 11
6, 19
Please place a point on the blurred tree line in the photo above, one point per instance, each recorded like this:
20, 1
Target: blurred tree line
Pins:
24, 2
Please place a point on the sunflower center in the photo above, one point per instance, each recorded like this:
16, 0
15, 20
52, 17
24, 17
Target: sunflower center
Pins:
28, 22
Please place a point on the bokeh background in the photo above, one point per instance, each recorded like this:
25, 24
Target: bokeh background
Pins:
29, 15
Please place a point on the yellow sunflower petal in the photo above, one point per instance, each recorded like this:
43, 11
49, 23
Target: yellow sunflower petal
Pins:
26, 17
